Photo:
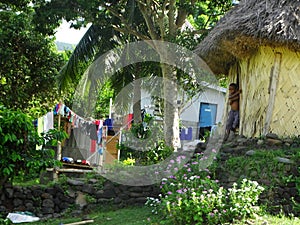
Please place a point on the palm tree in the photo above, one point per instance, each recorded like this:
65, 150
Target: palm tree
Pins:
99, 39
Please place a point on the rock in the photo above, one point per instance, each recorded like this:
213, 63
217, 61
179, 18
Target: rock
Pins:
71, 193
287, 144
240, 149
51, 190
75, 182
81, 199
17, 202
228, 150
271, 141
289, 141
88, 188
46, 196
48, 203
272, 136
76, 213
284, 160
250, 153
117, 200
93, 181
135, 189
260, 142
9, 192
2, 209
135, 194
20, 195
241, 140
37, 192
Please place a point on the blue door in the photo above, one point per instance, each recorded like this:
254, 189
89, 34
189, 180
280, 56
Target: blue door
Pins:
208, 113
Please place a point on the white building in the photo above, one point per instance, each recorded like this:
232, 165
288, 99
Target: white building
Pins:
199, 114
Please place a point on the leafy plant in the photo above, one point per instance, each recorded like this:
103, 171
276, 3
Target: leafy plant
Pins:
242, 199
192, 196
5, 221
129, 161
18, 141
143, 142
29, 61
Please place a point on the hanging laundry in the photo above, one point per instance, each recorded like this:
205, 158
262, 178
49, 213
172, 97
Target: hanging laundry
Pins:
61, 110
48, 122
109, 124
92, 129
40, 129
100, 132
56, 109
186, 134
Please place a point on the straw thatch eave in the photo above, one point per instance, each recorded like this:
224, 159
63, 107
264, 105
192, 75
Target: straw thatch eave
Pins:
247, 26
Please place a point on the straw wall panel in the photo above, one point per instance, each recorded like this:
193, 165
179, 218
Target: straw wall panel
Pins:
254, 84
254, 79
286, 113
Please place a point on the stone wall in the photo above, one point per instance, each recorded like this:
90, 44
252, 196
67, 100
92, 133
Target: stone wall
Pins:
77, 194
281, 190
81, 193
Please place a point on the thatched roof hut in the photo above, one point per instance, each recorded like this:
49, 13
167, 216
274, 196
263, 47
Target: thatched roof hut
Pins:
257, 44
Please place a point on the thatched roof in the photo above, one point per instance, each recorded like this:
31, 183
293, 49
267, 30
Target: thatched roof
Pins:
247, 26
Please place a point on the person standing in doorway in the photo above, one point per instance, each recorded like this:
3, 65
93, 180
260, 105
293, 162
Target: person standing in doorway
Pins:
233, 117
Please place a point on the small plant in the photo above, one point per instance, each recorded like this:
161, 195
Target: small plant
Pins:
90, 199
242, 200
153, 203
192, 196
129, 161
18, 141
5, 221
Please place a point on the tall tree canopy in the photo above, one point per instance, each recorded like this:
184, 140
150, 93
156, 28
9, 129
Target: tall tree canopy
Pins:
29, 62
162, 20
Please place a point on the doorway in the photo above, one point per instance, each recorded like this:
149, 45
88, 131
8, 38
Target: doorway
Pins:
207, 117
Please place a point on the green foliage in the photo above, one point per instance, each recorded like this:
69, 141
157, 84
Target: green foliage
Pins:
129, 161
29, 63
206, 13
262, 163
53, 136
102, 105
142, 130
18, 141
223, 81
148, 136
115, 23
5, 221
242, 199
191, 196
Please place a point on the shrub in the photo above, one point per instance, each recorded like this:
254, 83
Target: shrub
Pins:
18, 141
144, 143
191, 196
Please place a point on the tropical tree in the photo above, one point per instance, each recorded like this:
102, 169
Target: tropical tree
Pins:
154, 20
29, 61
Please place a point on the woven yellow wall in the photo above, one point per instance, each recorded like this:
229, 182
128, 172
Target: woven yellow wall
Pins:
286, 113
255, 80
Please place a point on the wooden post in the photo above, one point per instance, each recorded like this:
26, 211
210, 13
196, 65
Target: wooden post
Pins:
110, 108
81, 222
58, 152
58, 156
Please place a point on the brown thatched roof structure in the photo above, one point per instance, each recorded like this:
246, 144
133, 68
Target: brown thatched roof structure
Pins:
247, 26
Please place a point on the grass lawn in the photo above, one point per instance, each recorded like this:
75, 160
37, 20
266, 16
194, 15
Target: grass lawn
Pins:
143, 216
124, 216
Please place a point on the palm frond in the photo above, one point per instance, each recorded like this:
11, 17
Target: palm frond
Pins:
96, 41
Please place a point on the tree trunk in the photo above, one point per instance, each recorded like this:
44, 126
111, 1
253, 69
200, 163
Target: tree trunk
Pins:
137, 100
171, 117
